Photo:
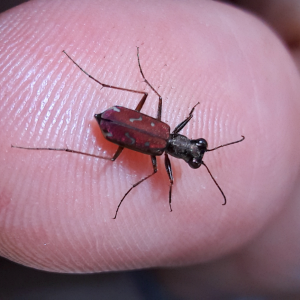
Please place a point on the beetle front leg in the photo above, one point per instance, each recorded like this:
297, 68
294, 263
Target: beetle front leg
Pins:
170, 174
180, 126
154, 164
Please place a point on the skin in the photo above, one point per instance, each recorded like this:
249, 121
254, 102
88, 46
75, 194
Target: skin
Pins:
56, 208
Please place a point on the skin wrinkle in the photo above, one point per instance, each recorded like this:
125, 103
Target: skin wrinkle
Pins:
255, 94
187, 231
81, 252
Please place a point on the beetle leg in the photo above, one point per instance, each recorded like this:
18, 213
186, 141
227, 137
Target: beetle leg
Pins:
108, 85
118, 152
159, 109
180, 126
154, 164
170, 174
141, 103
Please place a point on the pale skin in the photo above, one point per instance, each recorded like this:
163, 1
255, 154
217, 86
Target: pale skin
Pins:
56, 208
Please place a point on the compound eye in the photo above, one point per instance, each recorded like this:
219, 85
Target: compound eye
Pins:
201, 143
194, 163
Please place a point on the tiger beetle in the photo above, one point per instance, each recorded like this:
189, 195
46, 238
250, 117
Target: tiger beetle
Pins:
134, 130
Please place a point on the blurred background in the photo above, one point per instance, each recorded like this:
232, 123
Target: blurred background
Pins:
18, 282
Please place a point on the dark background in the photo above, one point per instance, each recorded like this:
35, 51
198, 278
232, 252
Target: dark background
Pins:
18, 282
7, 4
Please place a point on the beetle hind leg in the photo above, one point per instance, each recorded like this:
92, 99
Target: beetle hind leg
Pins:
115, 156
104, 85
154, 164
159, 109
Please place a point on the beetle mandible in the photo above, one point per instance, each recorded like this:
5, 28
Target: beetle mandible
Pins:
134, 130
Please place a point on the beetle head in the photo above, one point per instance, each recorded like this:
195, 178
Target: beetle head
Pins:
198, 148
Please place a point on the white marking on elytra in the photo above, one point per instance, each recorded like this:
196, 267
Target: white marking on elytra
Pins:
139, 119
115, 109
131, 138
109, 134
152, 124
147, 144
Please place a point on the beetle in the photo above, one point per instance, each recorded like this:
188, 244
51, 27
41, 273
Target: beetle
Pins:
134, 130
